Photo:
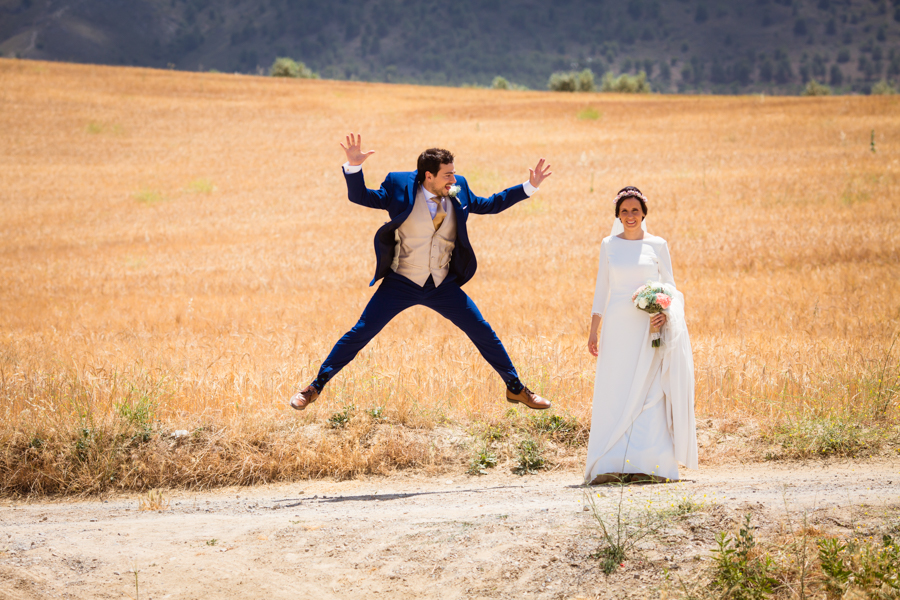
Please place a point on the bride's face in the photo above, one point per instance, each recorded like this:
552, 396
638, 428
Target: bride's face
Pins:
631, 214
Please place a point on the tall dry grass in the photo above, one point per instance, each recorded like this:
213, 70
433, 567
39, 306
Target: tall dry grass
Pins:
177, 253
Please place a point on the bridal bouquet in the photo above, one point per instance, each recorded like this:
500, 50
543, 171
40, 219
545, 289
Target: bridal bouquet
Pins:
653, 297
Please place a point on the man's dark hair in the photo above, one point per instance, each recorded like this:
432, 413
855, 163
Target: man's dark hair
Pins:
629, 191
431, 160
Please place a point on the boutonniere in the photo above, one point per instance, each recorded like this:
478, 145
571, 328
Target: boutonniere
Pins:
454, 190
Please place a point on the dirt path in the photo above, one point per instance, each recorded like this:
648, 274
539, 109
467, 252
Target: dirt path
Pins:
497, 536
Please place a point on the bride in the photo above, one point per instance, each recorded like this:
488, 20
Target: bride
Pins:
642, 423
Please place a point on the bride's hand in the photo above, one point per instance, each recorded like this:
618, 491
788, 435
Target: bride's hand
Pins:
658, 320
592, 344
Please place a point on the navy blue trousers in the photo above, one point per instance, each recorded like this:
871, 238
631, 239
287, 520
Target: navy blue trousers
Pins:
397, 293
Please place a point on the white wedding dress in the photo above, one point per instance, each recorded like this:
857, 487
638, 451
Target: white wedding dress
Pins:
643, 410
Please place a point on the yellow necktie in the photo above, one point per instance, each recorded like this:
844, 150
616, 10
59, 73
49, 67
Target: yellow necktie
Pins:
440, 214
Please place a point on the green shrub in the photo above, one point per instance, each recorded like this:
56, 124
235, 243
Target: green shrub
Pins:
814, 88
585, 81
563, 82
624, 83
499, 83
287, 67
572, 81
883, 88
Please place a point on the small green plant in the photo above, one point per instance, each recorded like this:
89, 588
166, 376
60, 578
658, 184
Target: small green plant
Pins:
87, 438
288, 67
493, 432
496, 433
888, 387
739, 571
528, 457
559, 427
213, 542
814, 88
95, 128
620, 531
137, 591
870, 568
872, 142
148, 196
810, 436
831, 556
588, 114
341, 418
680, 507
550, 423
201, 186
611, 558
376, 413
138, 413
484, 458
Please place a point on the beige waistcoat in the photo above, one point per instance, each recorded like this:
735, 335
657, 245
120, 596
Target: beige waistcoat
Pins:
421, 251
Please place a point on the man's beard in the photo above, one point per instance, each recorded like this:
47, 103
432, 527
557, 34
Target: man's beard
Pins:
437, 191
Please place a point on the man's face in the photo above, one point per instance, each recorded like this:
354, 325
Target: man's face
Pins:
439, 184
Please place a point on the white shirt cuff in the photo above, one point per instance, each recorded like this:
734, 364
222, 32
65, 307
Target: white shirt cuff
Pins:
351, 169
529, 189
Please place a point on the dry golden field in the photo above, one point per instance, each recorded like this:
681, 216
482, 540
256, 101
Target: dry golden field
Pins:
177, 253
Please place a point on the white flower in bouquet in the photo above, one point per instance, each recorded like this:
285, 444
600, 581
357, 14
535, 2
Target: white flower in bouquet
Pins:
454, 190
653, 297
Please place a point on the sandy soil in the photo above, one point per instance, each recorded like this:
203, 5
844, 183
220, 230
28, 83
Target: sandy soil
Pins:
409, 536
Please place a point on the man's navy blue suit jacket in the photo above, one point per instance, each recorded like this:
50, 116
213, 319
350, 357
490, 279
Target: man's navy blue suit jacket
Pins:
397, 196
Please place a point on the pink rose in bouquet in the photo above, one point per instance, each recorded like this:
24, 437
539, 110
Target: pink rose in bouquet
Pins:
653, 298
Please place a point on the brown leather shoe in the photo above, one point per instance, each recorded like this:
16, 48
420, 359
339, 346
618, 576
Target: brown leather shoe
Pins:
304, 397
528, 398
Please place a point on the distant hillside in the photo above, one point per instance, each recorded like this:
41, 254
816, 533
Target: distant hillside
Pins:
714, 46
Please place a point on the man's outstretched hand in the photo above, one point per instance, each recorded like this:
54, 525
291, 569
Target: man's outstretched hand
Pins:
355, 155
537, 174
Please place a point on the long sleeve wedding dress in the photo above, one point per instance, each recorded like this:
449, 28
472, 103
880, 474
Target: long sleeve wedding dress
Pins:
643, 409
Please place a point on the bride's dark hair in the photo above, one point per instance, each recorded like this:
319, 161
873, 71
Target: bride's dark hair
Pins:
629, 191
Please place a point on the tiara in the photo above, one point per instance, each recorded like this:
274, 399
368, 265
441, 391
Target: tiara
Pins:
629, 194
